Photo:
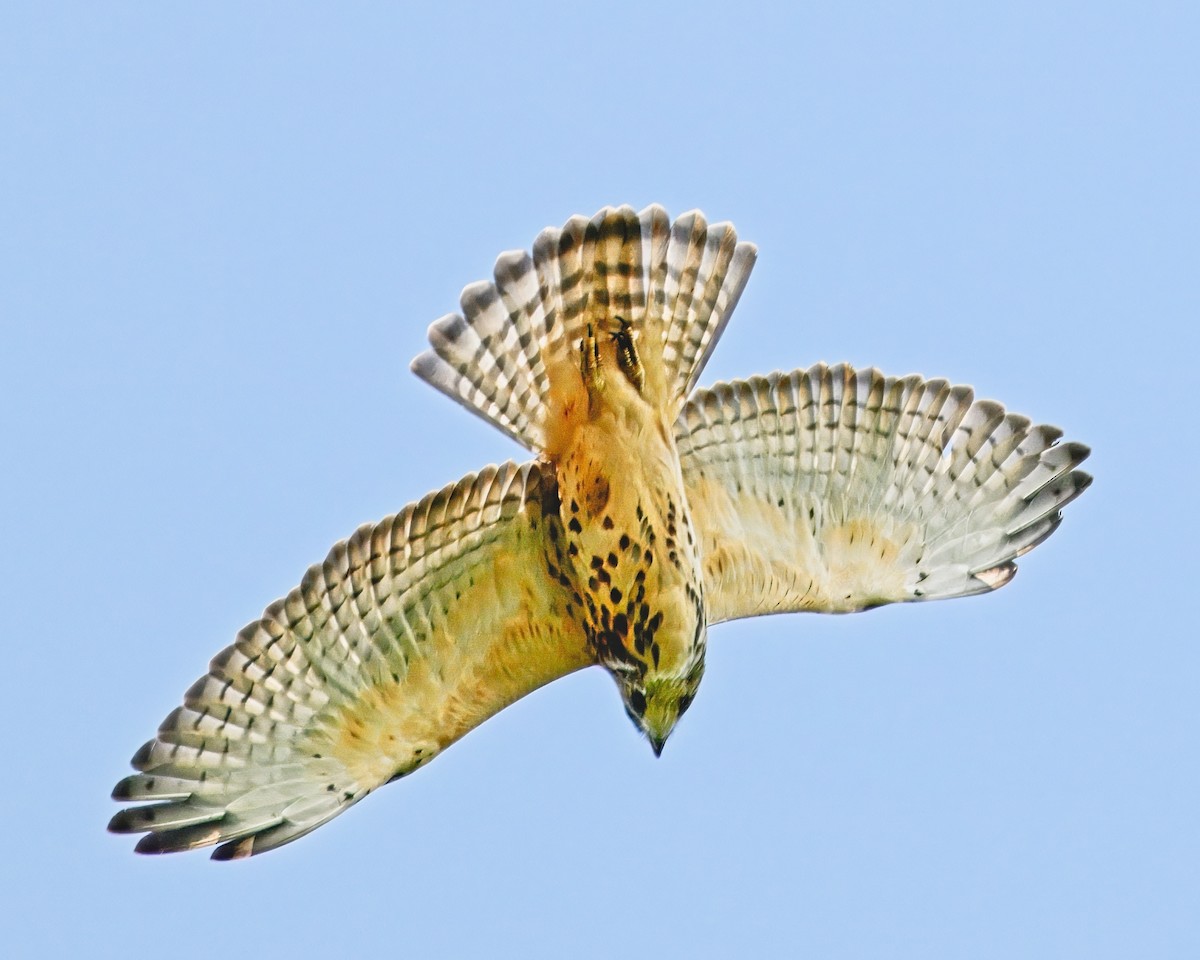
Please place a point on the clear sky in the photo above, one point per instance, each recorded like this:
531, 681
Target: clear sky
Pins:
223, 231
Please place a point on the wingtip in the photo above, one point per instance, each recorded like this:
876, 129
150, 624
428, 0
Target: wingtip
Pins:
234, 850
119, 822
141, 759
123, 790
997, 576
423, 363
151, 844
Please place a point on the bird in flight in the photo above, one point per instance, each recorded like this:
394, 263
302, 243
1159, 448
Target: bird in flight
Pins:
650, 511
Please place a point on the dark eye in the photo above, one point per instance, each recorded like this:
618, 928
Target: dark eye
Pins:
637, 700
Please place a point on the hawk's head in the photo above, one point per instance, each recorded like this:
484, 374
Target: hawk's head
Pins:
656, 701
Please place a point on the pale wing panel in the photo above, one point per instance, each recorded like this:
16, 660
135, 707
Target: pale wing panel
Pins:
835, 490
411, 633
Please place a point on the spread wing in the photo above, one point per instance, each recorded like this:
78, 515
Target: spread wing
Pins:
837, 490
411, 633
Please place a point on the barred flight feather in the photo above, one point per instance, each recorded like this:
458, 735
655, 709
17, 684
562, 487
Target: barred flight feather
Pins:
364, 672
832, 489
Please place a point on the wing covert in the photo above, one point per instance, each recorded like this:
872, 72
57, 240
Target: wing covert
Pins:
411, 633
837, 490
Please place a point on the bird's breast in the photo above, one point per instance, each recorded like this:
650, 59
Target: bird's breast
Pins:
628, 551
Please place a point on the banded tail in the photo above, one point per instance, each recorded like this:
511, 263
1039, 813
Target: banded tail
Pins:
674, 284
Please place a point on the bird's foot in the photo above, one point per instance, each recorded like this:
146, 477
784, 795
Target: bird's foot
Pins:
590, 367
627, 354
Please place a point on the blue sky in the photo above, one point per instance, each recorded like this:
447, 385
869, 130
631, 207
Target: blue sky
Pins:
225, 230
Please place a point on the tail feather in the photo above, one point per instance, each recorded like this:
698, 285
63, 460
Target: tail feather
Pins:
704, 291
675, 283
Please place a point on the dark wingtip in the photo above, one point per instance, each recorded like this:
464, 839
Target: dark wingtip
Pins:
235, 850
120, 822
154, 843
141, 759
136, 819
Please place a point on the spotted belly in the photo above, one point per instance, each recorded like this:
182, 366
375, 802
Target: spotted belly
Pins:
633, 575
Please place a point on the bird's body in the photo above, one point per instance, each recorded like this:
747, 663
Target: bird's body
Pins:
644, 518
627, 552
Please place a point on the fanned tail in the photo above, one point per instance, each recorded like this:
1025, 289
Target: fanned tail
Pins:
675, 285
